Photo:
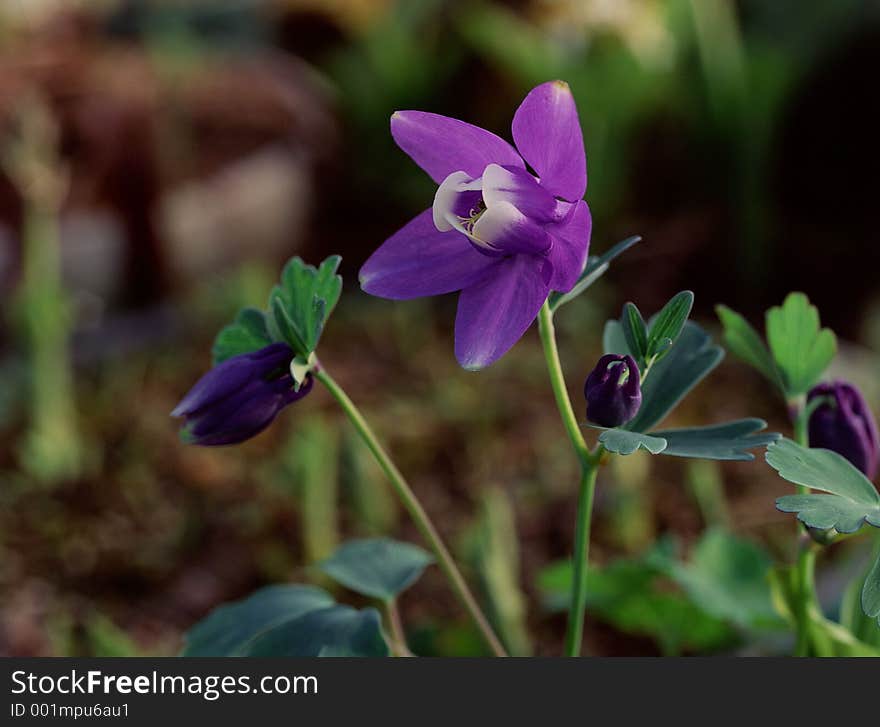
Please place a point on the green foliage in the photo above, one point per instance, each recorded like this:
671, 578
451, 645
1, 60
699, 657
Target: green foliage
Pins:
726, 576
299, 306
852, 499
722, 588
746, 343
801, 350
870, 598
333, 631
689, 361
595, 268
727, 441
377, 567
301, 303
667, 324
246, 334
827, 638
229, 629
635, 332
622, 441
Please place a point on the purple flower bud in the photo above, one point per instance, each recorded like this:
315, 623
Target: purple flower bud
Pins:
613, 391
843, 423
240, 397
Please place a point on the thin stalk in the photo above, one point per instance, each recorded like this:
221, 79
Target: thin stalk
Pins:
415, 509
589, 463
575, 632
806, 562
395, 627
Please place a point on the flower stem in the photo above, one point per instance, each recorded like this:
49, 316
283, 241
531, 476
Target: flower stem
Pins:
806, 563
416, 511
395, 627
589, 464
575, 633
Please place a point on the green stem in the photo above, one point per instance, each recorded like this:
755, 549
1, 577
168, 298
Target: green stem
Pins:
560, 391
415, 509
589, 463
575, 633
806, 563
395, 628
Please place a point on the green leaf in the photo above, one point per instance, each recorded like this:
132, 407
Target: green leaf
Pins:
301, 303
667, 324
688, 362
595, 268
727, 577
851, 501
745, 343
377, 567
871, 592
228, 629
334, 630
621, 441
629, 594
801, 350
246, 334
635, 332
729, 441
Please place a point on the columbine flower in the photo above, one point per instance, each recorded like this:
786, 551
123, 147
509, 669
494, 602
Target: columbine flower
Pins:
845, 424
503, 236
613, 391
239, 398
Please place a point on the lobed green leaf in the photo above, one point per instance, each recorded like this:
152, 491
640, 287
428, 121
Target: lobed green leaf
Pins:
246, 334
746, 343
728, 441
622, 441
802, 351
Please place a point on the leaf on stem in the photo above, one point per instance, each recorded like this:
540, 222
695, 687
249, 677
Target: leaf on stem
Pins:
622, 441
378, 567
851, 500
801, 349
728, 441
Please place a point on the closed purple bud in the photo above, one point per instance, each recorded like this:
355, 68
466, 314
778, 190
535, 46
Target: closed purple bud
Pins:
613, 391
843, 423
239, 398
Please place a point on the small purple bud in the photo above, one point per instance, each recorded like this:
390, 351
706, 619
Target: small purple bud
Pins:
240, 397
844, 423
613, 391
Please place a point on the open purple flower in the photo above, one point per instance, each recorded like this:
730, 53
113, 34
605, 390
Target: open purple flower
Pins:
613, 391
501, 234
844, 423
239, 398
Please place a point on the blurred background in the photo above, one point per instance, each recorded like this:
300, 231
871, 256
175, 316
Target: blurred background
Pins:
160, 160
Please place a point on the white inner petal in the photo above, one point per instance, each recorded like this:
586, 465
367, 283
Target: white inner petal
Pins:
443, 210
495, 222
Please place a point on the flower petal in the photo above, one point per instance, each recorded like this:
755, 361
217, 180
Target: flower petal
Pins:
441, 145
571, 243
494, 314
228, 377
503, 227
520, 189
418, 260
548, 134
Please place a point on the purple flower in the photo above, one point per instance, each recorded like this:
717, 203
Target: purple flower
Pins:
239, 398
613, 391
844, 424
503, 236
